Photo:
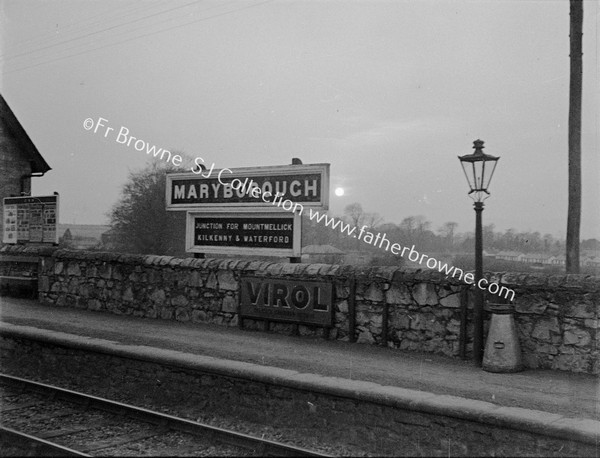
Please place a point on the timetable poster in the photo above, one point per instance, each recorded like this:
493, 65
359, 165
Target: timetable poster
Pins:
10, 224
30, 219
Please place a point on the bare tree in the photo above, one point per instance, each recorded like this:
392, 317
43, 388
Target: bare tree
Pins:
140, 221
575, 89
355, 214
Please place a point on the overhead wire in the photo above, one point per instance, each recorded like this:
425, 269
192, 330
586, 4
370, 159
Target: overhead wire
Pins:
143, 26
98, 31
84, 24
137, 37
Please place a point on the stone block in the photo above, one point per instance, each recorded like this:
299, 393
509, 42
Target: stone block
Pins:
73, 269
104, 270
284, 328
313, 269
342, 306
409, 345
400, 321
577, 337
452, 301
94, 304
211, 282
583, 310
216, 304
419, 322
180, 301
573, 363
182, 314
443, 313
365, 337
453, 326
274, 269
195, 279
425, 294
374, 293
56, 287
199, 316
166, 313
227, 281
339, 317
305, 330
398, 294
230, 304
128, 294
437, 328
547, 349
58, 267
589, 323
341, 291
376, 321
362, 318
531, 304
44, 283
158, 296
544, 328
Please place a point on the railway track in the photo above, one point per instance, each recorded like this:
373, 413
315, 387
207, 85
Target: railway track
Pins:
50, 421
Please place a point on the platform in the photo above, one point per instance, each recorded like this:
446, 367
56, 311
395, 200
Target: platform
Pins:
567, 394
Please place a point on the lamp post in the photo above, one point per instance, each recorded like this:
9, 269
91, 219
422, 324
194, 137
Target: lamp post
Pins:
479, 168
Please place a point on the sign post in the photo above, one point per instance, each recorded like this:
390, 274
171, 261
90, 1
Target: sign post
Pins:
257, 211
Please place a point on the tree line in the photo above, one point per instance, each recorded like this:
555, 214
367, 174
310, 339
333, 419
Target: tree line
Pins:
140, 224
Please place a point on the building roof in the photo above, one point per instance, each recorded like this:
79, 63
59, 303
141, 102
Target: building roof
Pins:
38, 163
509, 253
84, 231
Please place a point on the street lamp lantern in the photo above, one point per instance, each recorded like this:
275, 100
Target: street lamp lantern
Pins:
479, 168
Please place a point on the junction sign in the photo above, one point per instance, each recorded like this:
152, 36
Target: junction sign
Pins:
249, 210
274, 234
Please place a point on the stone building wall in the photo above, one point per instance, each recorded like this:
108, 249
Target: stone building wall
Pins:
557, 315
13, 166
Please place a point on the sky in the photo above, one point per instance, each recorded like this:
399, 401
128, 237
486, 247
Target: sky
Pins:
388, 92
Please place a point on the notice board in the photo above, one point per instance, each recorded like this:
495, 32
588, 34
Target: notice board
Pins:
32, 219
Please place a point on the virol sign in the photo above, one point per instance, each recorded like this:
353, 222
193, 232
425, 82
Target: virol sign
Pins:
305, 302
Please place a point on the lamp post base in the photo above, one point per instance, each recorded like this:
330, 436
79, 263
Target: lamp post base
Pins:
502, 349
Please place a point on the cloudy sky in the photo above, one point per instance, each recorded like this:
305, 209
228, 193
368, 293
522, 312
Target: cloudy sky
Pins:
387, 92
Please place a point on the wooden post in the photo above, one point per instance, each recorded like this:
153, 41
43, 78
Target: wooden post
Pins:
352, 310
384, 323
575, 90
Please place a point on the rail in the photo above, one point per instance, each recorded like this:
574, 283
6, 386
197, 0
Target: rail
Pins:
263, 447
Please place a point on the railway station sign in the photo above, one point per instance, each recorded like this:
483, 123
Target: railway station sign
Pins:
31, 219
256, 188
273, 299
265, 234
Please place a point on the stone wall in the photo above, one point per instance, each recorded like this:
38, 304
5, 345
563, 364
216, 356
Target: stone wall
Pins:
556, 315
